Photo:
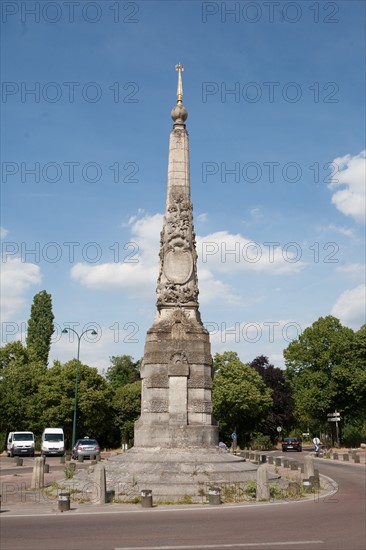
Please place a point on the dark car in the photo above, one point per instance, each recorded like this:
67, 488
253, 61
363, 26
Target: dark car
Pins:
86, 447
291, 444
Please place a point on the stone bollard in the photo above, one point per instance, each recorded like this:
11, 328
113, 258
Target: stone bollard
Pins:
214, 495
286, 463
92, 459
62, 460
99, 493
38, 473
46, 468
262, 492
80, 458
19, 461
68, 457
308, 467
335, 456
356, 459
278, 461
64, 501
314, 482
270, 460
294, 465
263, 459
307, 485
146, 498
346, 457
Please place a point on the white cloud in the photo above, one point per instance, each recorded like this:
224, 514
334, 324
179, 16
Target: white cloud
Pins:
138, 273
202, 218
354, 270
350, 199
3, 232
227, 253
347, 232
351, 306
16, 278
256, 214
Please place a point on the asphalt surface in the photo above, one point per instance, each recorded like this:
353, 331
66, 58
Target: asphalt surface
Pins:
329, 522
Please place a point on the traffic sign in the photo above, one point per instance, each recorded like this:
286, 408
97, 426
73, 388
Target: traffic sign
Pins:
233, 436
279, 429
333, 414
334, 419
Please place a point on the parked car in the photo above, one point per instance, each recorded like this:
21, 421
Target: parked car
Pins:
86, 447
291, 444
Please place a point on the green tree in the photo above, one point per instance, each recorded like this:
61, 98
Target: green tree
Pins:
40, 327
19, 382
325, 369
127, 404
95, 416
281, 410
240, 398
123, 370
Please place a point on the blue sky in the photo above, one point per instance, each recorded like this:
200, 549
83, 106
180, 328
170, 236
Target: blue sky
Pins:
275, 95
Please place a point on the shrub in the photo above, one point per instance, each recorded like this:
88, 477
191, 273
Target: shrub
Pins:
261, 442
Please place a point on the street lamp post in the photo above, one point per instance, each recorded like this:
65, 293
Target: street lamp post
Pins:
94, 333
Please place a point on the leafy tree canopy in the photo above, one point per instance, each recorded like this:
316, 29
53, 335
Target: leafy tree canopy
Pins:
40, 327
240, 398
123, 370
280, 413
326, 369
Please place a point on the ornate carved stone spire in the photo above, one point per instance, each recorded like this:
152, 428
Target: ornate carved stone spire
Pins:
177, 283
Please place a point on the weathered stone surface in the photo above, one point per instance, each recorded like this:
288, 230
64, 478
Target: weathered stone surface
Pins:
38, 473
262, 484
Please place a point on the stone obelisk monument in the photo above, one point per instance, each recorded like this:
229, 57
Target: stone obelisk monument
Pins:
176, 453
176, 372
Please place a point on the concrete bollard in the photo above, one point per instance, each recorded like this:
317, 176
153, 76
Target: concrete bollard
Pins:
38, 473
62, 460
214, 495
346, 457
64, 501
294, 465
356, 459
46, 468
68, 457
286, 463
262, 492
335, 456
146, 498
307, 485
263, 459
99, 494
80, 458
278, 461
19, 461
270, 460
308, 466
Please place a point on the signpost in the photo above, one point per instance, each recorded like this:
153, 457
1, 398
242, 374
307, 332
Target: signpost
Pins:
335, 417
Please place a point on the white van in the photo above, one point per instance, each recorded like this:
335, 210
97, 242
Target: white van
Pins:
53, 442
20, 444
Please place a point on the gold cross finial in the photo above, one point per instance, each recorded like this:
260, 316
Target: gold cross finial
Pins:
180, 69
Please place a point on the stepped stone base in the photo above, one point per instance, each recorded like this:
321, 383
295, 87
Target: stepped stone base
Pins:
175, 474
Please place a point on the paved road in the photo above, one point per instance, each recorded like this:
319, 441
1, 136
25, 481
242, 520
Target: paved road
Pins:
336, 522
